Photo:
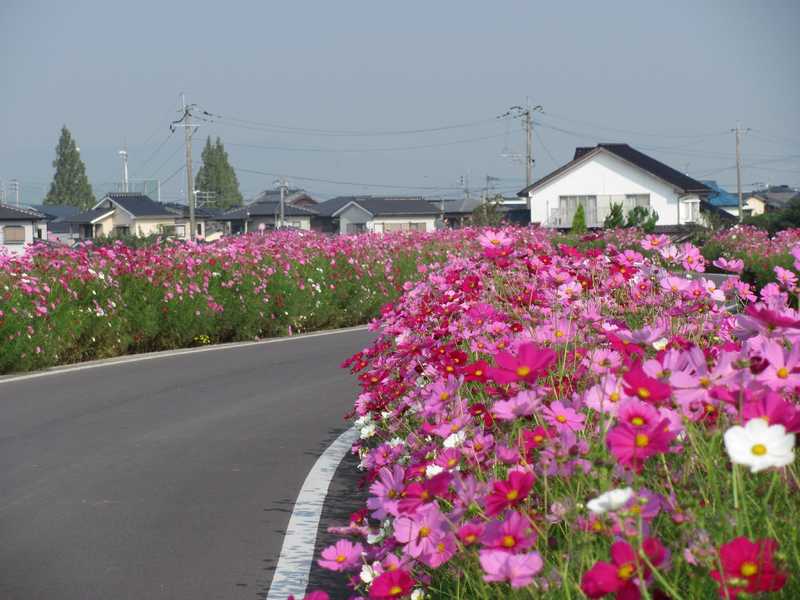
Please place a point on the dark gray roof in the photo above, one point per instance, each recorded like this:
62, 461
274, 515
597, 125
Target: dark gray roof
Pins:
292, 194
456, 205
777, 196
56, 211
267, 209
139, 205
86, 217
12, 213
381, 205
624, 151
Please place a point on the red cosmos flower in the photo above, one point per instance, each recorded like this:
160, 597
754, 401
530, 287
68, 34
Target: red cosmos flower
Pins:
530, 363
416, 494
476, 371
391, 584
625, 347
640, 385
533, 438
471, 283
619, 577
747, 567
633, 445
509, 492
480, 409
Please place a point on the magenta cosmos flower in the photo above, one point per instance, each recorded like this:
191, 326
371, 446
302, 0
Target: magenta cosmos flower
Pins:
631, 446
517, 569
391, 584
343, 555
530, 363
620, 576
748, 567
509, 492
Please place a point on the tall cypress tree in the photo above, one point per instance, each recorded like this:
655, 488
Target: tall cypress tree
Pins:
217, 175
70, 185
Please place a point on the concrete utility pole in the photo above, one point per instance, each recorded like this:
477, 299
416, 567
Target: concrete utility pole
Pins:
525, 113
188, 129
15, 188
739, 132
283, 185
124, 154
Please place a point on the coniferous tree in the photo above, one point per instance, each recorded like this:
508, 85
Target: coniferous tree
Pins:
70, 185
217, 175
616, 218
579, 220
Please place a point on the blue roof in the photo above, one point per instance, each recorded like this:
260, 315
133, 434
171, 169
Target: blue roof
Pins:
719, 197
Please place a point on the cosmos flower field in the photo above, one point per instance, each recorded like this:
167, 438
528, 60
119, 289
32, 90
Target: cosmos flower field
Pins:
61, 305
541, 420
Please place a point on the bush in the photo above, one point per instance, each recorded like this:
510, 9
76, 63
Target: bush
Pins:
615, 218
643, 218
579, 220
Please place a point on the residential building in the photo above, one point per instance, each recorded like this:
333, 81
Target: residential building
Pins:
20, 227
607, 174
266, 215
293, 196
208, 221
57, 229
357, 214
123, 214
774, 197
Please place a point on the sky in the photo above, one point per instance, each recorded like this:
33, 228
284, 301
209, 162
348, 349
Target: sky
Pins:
402, 98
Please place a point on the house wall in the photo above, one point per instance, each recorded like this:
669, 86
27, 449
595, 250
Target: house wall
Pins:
378, 223
756, 205
354, 216
605, 174
30, 235
145, 227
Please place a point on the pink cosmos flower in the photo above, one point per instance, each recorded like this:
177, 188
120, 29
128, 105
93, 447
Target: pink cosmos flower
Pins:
691, 259
523, 404
633, 445
513, 534
786, 278
470, 533
774, 409
391, 584
563, 417
517, 569
620, 576
315, 595
734, 265
342, 556
639, 385
422, 531
386, 492
417, 494
530, 363
443, 550
509, 492
783, 370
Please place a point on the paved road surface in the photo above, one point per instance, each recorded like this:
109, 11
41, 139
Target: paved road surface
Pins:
167, 478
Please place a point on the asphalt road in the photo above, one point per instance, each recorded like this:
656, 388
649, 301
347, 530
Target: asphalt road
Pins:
166, 478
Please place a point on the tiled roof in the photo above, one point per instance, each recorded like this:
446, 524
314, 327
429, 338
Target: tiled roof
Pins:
381, 205
86, 217
139, 205
624, 151
267, 209
57, 211
12, 213
200, 212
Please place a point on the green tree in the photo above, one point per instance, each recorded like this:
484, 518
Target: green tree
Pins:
579, 220
777, 220
615, 218
646, 218
217, 175
70, 185
488, 214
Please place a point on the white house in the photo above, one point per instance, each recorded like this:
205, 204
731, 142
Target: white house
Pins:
356, 214
20, 227
607, 174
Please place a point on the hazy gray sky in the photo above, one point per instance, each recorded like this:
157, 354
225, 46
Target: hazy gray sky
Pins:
671, 78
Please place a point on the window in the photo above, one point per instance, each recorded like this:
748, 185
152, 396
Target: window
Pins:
355, 228
404, 227
121, 230
180, 230
13, 234
596, 207
568, 206
167, 229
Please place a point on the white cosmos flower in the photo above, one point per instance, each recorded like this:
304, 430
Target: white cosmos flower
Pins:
759, 445
454, 439
611, 500
432, 471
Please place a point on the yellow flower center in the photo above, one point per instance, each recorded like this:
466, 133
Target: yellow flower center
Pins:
444, 396
538, 438
749, 569
512, 495
783, 373
705, 382
495, 242
759, 449
559, 333
626, 571
638, 421
614, 397
561, 419
523, 371
643, 393
641, 440
341, 558
478, 372
395, 590
440, 547
509, 541
424, 531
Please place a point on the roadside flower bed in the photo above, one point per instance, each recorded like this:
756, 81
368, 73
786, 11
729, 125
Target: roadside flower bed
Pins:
756, 256
539, 420
59, 306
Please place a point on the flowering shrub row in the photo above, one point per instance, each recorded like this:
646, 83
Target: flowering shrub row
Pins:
542, 421
755, 255
59, 305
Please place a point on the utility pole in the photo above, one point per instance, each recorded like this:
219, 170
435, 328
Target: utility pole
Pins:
525, 113
124, 154
739, 132
15, 188
188, 130
283, 185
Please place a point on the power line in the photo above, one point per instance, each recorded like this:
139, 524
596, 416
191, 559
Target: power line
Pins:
164, 164
154, 153
639, 133
353, 183
181, 168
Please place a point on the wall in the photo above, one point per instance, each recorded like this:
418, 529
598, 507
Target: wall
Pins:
145, 227
353, 215
378, 222
30, 235
605, 174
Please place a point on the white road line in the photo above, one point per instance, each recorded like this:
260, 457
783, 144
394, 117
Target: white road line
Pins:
169, 353
297, 552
